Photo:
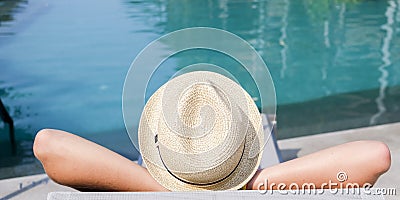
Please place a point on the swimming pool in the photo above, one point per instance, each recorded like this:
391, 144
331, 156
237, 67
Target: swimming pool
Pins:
335, 64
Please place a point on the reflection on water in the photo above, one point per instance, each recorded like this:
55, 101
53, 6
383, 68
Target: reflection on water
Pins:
8, 8
302, 41
313, 48
335, 62
386, 61
282, 39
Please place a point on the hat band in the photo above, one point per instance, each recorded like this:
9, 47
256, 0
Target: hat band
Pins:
188, 182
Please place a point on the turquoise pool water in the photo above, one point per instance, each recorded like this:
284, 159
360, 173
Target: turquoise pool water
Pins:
335, 64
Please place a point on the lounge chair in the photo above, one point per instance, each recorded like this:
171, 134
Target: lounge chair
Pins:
270, 157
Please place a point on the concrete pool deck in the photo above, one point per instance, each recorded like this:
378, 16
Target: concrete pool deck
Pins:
38, 186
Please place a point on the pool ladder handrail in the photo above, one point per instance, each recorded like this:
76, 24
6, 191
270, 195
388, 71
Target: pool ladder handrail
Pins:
8, 120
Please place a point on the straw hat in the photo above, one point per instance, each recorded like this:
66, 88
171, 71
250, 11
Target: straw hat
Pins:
201, 131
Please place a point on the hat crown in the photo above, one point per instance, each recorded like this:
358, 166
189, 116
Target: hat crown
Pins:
197, 144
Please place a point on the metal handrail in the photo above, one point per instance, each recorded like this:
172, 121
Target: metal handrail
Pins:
7, 119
